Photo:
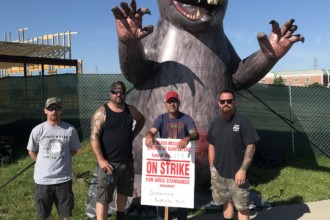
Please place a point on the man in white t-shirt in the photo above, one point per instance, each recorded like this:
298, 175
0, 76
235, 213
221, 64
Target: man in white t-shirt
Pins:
52, 145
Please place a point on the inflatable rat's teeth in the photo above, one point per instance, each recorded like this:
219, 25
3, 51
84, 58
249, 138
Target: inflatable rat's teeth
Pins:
198, 13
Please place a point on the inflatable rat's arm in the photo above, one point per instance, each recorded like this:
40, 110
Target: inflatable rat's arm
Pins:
273, 48
134, 65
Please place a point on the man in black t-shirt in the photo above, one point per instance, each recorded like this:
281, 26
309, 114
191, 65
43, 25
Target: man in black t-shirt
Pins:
232, 139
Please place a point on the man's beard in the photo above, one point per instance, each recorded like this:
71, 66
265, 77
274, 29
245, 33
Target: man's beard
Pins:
53, 117
227, 112
118, 100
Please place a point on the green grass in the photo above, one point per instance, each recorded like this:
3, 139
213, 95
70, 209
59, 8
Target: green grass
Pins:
302, 180
16, 198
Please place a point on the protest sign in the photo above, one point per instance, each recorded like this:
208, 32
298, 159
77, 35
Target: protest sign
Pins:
168, 174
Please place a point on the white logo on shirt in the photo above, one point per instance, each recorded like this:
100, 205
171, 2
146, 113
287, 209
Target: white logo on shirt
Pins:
54, 149
236, 128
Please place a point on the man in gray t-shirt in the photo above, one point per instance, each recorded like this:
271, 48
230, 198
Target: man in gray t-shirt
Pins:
52, 145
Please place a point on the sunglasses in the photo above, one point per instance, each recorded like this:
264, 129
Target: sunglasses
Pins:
223, 101
52, 108
116, 92
172, 101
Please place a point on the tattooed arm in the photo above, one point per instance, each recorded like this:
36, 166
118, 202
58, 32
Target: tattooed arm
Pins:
240, 177
193, 135
98, 120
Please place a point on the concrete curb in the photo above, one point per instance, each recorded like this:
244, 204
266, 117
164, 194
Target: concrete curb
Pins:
309, 211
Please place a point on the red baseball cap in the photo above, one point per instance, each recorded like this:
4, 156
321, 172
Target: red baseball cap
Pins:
171, 94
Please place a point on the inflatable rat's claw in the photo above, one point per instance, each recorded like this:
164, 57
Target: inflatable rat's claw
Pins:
147, 11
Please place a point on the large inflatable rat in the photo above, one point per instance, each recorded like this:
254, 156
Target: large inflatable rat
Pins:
189, 52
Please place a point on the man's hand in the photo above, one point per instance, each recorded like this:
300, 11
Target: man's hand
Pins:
105, 166
149, 141
129, 22
280, 40
183, 142
240, 177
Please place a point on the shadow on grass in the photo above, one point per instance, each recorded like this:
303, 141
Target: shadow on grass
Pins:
262, 175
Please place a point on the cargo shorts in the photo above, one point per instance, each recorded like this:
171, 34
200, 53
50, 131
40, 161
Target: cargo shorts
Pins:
123, 182
224, 189
59, 194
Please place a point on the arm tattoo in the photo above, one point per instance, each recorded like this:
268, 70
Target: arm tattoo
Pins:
96, 123
193, 135
248, 156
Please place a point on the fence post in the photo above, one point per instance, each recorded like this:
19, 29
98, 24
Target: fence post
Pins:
41, 97
291, 120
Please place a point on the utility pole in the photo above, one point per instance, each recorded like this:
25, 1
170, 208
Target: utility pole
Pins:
315, 66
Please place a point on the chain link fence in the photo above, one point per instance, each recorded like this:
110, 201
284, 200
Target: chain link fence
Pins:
311, 108
289, 120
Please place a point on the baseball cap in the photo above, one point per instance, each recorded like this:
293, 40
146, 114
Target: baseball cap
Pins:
171, 94
53, 101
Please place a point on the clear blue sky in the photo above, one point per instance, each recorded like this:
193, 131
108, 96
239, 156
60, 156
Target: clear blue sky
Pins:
96, 41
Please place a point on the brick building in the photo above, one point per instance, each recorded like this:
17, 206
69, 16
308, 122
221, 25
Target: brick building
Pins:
299, 77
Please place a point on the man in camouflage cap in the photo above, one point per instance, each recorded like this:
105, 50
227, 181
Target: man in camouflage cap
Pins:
53, 101
52, 145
